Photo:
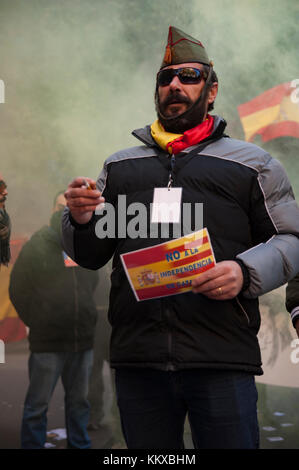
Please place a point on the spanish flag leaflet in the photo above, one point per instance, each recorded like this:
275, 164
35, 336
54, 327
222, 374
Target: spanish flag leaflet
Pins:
168, 268
273, 114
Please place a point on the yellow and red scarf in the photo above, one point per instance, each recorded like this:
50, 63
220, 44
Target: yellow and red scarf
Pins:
175, 143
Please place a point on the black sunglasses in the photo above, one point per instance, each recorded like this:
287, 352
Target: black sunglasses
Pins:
186, 75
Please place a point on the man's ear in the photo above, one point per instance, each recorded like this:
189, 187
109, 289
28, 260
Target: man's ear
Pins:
213, 93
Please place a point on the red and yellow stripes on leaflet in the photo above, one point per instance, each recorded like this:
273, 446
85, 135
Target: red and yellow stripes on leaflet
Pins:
168, 268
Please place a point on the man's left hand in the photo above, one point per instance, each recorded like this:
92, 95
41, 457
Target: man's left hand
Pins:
222, 282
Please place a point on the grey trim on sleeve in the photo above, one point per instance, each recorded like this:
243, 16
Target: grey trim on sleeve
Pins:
127, 154
271, 264
238, 151
139, 151
295, 315
279, 198
272, 178
67, 234
101, 181
275, 262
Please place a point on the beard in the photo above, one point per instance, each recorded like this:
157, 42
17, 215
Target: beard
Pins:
181, 122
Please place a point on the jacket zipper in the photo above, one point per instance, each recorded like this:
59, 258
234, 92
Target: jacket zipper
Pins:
76, 309
243, 310
169, 365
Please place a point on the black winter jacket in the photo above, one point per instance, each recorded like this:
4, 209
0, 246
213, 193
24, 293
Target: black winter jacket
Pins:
55, 301
251, 215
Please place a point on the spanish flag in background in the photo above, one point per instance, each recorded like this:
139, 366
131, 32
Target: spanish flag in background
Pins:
274, 113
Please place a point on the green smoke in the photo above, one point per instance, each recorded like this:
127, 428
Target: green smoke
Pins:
80, 74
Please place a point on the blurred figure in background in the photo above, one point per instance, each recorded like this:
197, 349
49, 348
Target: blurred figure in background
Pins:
5, 227
99, 408
54, 298
11, 327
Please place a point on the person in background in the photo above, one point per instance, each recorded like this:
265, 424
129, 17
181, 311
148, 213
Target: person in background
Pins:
54, 298
193, 354
98, 413
5, 225
292, 301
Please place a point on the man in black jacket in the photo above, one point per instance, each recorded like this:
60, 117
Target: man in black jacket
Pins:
54, 298
196, 353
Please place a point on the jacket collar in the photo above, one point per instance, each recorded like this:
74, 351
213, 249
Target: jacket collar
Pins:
144, 134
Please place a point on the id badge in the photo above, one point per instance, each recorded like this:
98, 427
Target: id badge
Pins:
166, 206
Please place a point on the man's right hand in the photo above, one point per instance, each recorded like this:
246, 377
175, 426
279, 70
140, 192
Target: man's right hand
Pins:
81, 201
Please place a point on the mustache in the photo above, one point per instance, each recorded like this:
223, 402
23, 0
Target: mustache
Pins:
175, 97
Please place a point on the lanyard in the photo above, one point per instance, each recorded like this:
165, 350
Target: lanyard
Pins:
174, 165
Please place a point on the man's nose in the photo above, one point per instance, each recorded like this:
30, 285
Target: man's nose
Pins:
175, 83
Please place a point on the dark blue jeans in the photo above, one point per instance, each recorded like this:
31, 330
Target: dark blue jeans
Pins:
221, 408
44, 372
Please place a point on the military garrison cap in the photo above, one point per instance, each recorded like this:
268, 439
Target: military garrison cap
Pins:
183, 48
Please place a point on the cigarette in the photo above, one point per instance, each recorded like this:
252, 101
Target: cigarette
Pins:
87, 185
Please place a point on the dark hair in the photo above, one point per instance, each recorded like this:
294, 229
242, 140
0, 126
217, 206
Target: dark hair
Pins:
213, 79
